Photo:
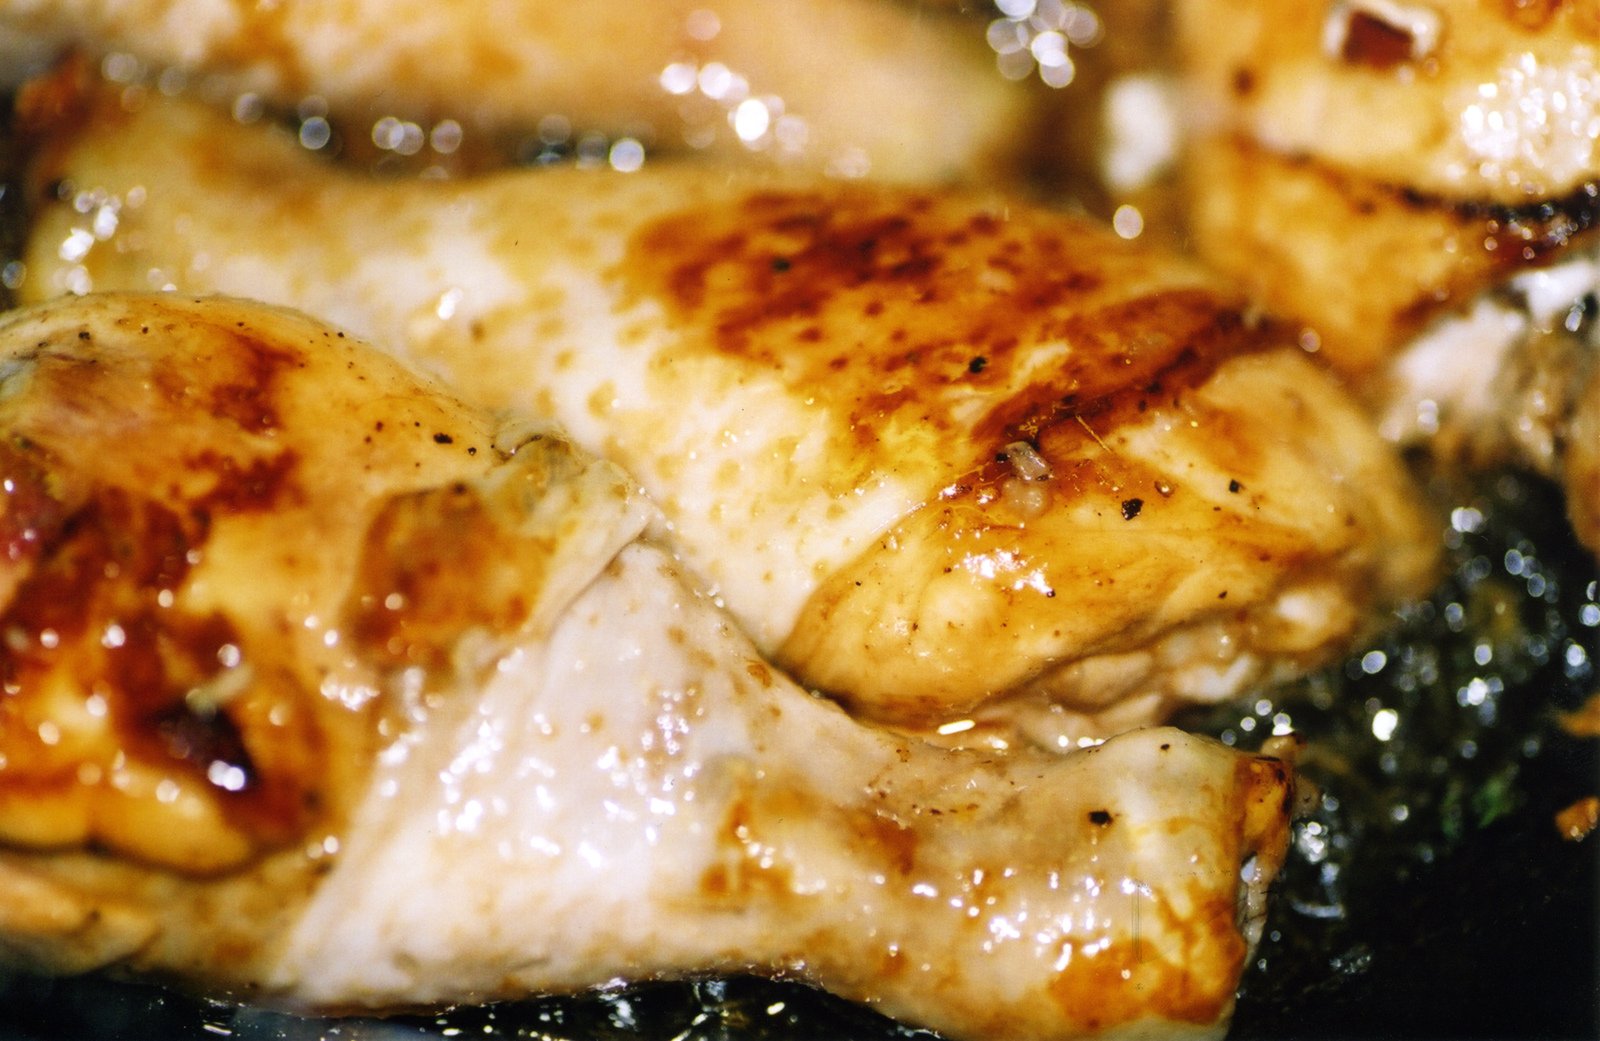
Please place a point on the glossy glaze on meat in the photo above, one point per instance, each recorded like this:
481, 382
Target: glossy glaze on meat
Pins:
540, 760
934, 451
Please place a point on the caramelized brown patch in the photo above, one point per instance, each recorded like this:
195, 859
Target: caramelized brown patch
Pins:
260, 485
1128, 981
262, 40
438, 564
129, 719
746, 865
413, 597
895, 309
30, 512
893, 843
1127, 357
106, 676
52, 112
247, 400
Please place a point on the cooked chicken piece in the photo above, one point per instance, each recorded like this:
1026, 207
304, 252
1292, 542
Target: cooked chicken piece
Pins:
324, 692
1581, 463
853, 86
1459, 294
1493, 100
933, 451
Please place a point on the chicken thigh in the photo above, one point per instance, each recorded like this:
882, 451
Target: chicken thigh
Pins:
954, 460
322, 691
852, 86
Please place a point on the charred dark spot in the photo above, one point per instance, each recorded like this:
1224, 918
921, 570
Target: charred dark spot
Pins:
977, 365
1234, 486
1541, 226
1372, 42
443, 439
1102, 817
206, 740
1131, 508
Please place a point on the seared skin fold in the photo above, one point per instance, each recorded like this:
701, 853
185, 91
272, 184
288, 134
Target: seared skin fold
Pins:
341, 696
946, 457
854, 86
1418, 184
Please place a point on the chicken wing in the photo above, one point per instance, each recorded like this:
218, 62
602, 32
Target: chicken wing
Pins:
934, 451
853, 86
1418, 184
323, 691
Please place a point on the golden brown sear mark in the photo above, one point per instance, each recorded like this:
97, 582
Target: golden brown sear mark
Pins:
831, 290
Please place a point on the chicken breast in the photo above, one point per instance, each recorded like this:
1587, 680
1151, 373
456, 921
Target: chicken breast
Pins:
322, 691
1446, 255
935, 452
853, 86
